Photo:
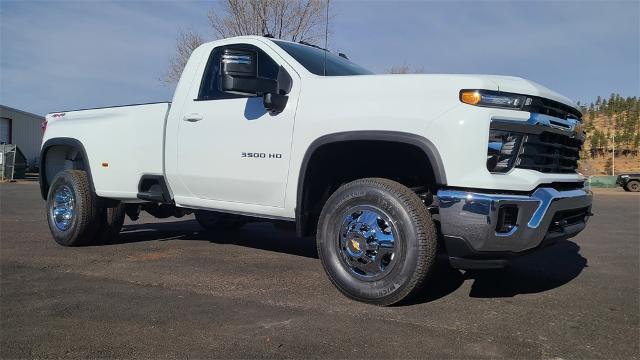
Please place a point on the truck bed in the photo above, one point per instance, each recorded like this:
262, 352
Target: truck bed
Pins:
121, 143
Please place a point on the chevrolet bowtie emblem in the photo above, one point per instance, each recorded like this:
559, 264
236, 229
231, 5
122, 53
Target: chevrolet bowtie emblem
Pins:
356, 245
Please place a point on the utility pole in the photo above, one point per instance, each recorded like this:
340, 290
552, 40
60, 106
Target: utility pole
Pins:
613, 154
612, 119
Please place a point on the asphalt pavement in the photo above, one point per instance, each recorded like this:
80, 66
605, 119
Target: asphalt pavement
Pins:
169, 289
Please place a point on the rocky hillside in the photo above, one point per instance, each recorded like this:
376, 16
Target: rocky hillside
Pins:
611, 121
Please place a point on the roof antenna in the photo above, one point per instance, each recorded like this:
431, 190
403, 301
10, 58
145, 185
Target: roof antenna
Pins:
326, 36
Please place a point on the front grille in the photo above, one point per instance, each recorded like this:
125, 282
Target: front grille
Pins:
567, 218
564, 186
552, 108
549, 152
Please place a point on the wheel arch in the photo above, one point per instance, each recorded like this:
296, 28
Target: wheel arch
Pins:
62, 149
424, 146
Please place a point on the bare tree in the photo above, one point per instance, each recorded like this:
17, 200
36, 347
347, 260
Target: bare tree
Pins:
295, 20
405, 69
186, 42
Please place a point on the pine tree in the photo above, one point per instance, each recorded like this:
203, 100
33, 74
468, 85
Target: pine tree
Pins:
604, 141
608, 167
595, 143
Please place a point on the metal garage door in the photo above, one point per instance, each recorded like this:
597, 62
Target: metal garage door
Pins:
5, 130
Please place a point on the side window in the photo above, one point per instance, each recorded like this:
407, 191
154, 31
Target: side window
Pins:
210, 87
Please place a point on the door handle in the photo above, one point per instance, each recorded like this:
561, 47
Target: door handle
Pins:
192, 117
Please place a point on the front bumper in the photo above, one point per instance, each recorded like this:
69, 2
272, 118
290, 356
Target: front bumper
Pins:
468, 221
622, 181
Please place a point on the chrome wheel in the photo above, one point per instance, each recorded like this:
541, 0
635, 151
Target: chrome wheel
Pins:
62, 209
367, 242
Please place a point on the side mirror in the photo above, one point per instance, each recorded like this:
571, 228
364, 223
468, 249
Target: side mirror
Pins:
239, 74
274, 103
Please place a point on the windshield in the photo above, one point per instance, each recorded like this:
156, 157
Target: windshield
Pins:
313, 60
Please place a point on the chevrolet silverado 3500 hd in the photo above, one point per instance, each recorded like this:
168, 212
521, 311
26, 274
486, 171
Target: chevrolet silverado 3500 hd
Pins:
385, 170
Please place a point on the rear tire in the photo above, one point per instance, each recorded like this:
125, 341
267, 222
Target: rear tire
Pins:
633, 186
215, 221
376, 241
111, 221
72, 214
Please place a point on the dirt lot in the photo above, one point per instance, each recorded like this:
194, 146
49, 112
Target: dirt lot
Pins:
168, 289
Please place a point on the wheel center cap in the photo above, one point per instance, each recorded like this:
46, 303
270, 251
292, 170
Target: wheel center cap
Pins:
356, 245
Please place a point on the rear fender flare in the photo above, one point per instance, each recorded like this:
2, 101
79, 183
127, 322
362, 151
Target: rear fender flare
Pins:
70, 142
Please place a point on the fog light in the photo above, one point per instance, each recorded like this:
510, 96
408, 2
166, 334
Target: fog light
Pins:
502, 150
507, 218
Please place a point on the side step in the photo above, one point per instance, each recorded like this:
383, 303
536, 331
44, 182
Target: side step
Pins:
154, 188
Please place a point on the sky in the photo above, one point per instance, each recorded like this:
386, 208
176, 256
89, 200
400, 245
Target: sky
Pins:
61, 55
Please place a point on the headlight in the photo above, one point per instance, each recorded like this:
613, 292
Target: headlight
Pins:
502, 150
494, 99
624, 176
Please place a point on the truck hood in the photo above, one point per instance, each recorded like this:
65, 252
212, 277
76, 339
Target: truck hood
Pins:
512, 84
518, 85
415, 96
448, 83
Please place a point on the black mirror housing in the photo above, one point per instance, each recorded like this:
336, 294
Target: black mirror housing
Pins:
247, 86
239, 63
274, 103
239, 74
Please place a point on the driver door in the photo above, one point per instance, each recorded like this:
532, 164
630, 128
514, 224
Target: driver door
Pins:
229, 148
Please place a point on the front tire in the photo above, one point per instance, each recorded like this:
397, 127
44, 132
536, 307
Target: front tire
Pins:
633, 186
72, 214
376, 241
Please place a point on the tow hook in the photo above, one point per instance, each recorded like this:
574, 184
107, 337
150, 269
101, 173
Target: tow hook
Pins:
560, 224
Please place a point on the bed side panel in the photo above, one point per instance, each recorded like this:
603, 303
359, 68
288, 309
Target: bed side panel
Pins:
122, 144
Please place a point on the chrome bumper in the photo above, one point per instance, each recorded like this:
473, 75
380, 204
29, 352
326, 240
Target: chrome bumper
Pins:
468, 220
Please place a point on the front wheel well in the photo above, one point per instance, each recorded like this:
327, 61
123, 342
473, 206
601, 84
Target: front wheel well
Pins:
334, 164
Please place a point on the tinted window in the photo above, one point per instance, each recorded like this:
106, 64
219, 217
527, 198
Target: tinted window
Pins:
313, 59
210, 86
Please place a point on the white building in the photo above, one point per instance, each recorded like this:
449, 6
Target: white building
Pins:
22, 129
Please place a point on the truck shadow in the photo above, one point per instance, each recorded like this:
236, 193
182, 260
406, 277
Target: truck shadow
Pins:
262, 236
536, 272
544, 270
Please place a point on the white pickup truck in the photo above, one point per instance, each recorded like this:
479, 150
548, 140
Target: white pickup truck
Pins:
385, 170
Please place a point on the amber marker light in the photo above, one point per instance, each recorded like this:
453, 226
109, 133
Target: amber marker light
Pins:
470, 97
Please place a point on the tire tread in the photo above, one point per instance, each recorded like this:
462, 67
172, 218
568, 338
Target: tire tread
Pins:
87, 213
426, 237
